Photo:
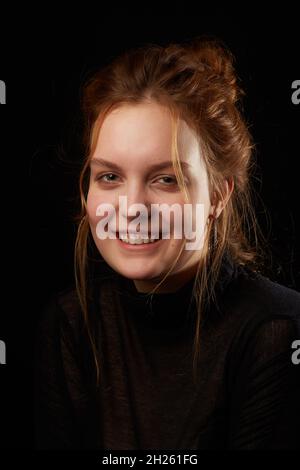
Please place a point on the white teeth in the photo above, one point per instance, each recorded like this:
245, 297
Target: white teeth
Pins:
134, 239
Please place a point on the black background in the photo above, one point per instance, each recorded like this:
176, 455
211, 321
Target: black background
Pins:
44, 63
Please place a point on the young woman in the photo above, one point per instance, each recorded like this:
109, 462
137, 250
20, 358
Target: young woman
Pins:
161, 346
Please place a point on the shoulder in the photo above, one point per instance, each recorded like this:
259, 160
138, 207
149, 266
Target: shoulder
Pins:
60, 313
266, 315
257, 294
69, 307
63, 309
263, 323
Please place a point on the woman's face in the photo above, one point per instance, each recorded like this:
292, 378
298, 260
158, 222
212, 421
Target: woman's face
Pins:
133, 158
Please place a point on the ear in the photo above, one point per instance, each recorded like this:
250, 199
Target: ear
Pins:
220, 203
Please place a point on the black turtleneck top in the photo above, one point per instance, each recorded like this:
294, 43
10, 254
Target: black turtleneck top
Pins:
246, 395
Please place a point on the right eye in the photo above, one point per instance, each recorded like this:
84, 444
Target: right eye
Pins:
107, 178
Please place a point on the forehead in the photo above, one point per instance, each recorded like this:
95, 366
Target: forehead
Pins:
141, 132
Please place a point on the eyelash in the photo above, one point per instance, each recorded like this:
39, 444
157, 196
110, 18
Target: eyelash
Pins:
100, 178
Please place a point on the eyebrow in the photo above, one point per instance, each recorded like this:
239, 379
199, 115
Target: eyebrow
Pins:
114, 166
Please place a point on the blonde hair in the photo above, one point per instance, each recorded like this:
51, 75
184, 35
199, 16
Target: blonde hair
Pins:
196, 82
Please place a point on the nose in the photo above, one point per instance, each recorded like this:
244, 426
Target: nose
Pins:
136, 200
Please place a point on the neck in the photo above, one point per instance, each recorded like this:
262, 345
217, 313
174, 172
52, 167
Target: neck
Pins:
172, 283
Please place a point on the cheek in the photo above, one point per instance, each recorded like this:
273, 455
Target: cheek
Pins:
92, 204
94, 200
201, 196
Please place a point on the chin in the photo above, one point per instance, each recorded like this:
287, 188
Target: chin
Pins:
137, 273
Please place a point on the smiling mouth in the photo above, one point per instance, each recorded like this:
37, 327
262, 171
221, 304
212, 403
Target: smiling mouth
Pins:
137, 239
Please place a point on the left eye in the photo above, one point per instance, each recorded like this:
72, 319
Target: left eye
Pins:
168, 180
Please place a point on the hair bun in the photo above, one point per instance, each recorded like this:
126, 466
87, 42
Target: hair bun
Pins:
210, 55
